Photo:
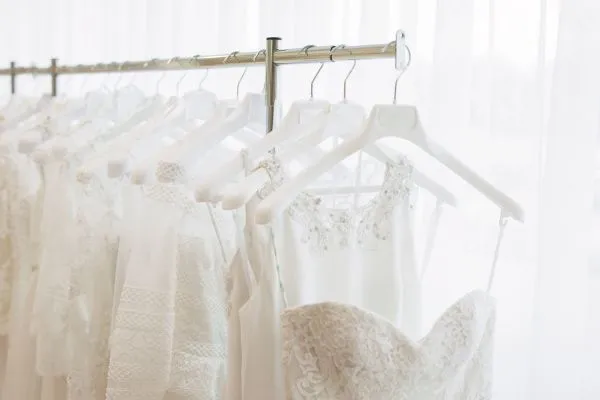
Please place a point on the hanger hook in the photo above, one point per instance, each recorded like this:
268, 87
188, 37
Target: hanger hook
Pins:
34, 76
313, 80
343, 46
120, 75
85, 78
237, 87
106, 76
162, 76
402, 71
135, 74
258, 53
178, 84
196, 57
67, 81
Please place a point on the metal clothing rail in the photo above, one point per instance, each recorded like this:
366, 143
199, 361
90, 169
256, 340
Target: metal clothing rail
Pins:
271, 58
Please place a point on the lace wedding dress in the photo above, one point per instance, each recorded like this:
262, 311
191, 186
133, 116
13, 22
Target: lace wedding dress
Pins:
334, 350
311, 251
339, 350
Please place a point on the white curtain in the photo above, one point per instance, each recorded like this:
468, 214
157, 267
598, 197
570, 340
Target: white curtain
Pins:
512, 86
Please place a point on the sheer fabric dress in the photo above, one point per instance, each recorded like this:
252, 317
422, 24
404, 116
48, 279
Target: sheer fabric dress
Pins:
169, 335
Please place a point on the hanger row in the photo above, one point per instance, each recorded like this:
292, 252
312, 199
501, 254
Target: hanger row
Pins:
383, 121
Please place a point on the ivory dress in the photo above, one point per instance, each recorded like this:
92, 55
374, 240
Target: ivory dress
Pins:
349, 335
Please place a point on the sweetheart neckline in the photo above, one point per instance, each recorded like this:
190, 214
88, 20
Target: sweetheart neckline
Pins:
477, 296
336, 350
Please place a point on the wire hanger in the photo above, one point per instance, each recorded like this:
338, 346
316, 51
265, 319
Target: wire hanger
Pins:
387, 120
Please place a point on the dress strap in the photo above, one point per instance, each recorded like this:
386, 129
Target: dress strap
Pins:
217, 232
244, 233
277, 268
274, 248
434, 223
501, 227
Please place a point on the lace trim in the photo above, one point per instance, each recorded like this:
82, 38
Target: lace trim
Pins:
141, 342
174, 343
170, 172
326, 228
337, 351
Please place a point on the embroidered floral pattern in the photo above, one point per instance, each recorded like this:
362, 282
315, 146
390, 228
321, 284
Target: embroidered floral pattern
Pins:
328, 229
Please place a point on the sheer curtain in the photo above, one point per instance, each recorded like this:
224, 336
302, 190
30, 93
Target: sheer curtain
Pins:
511, 86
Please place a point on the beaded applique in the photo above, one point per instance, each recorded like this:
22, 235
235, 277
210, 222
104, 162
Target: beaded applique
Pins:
326, 228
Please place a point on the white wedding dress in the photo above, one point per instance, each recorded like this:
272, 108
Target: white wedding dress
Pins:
358, 250
339, 351
333, 349
23, 190
310, 251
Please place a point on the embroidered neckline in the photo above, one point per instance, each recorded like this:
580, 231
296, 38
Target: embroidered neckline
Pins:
326, 228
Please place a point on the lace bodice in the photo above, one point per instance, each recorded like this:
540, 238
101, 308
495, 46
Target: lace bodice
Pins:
337, 351
327, 228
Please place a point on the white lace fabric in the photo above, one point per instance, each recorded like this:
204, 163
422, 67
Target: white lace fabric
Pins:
169, 336
338, 351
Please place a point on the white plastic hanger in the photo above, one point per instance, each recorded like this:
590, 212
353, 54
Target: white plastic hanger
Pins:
250, 113
196, 105
343, 119
201, 105
386, 121
120, 146
214, 185
70, 118
300, 114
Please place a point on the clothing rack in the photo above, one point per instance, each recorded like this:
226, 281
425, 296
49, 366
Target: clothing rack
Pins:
271, 57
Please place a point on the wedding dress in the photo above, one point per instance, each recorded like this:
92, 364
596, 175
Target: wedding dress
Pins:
333, 350
339, 350
328, 246
23, 190
74, 283
310, 251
